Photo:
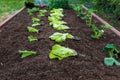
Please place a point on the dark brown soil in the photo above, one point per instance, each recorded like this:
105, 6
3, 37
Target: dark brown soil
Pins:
87, 66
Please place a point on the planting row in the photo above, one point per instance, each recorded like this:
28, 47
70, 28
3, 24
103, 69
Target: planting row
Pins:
56, 22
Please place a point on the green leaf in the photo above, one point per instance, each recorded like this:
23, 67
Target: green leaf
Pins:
32, 38
111, 61
35, 24
60, 27
34, 20
109, 47
31, 11
60, 37
106, 26
25, 53
42, 13
33, 30
108, 61
57, 22
59, 10
116, 62
61, 52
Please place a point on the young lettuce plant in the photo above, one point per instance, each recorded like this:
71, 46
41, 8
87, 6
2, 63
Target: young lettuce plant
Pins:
32, 30
35, 22
31, 11
25, 53
60, 37
60, 27
55, 19
32, 38
42, 13
113, 53
59, 52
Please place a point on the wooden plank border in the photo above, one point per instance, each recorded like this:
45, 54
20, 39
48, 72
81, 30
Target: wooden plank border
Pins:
8, 19
103, 22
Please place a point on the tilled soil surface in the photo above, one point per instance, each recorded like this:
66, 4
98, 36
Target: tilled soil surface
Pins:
88, 65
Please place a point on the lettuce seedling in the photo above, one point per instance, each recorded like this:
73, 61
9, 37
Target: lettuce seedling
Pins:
25, 53
33, 30
31, 11
42, 13
60, 37
59, 52
60, 27
57, 22
113, 53
35, 22
32, 38
59, 10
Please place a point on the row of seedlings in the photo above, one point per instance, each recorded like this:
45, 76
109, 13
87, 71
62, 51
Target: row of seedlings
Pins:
32, 29
59, 52
98, 32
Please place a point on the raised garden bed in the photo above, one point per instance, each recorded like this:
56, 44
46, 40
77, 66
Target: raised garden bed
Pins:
88, 65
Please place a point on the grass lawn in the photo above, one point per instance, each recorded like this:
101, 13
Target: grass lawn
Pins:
8, 7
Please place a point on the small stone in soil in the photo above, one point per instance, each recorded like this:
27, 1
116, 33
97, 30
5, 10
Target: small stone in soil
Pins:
76, 38
40, 31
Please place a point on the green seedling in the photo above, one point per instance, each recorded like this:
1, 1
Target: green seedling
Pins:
35, 22
42, 13
112, 50
79, 10
59, 52
97, 33
57, 23
60, 27
25, 53
32, 30
59, 10
88, 17
111, 61
113, 53
32, 38
60, 37
31, 11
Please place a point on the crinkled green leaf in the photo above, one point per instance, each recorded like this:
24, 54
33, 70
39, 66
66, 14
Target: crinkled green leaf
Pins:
31, 11
35, 24
34, 30
25, 53
60, 37
32, 38
57, 22
59, 10
42, 13
35, 20
61, 52
60, 27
